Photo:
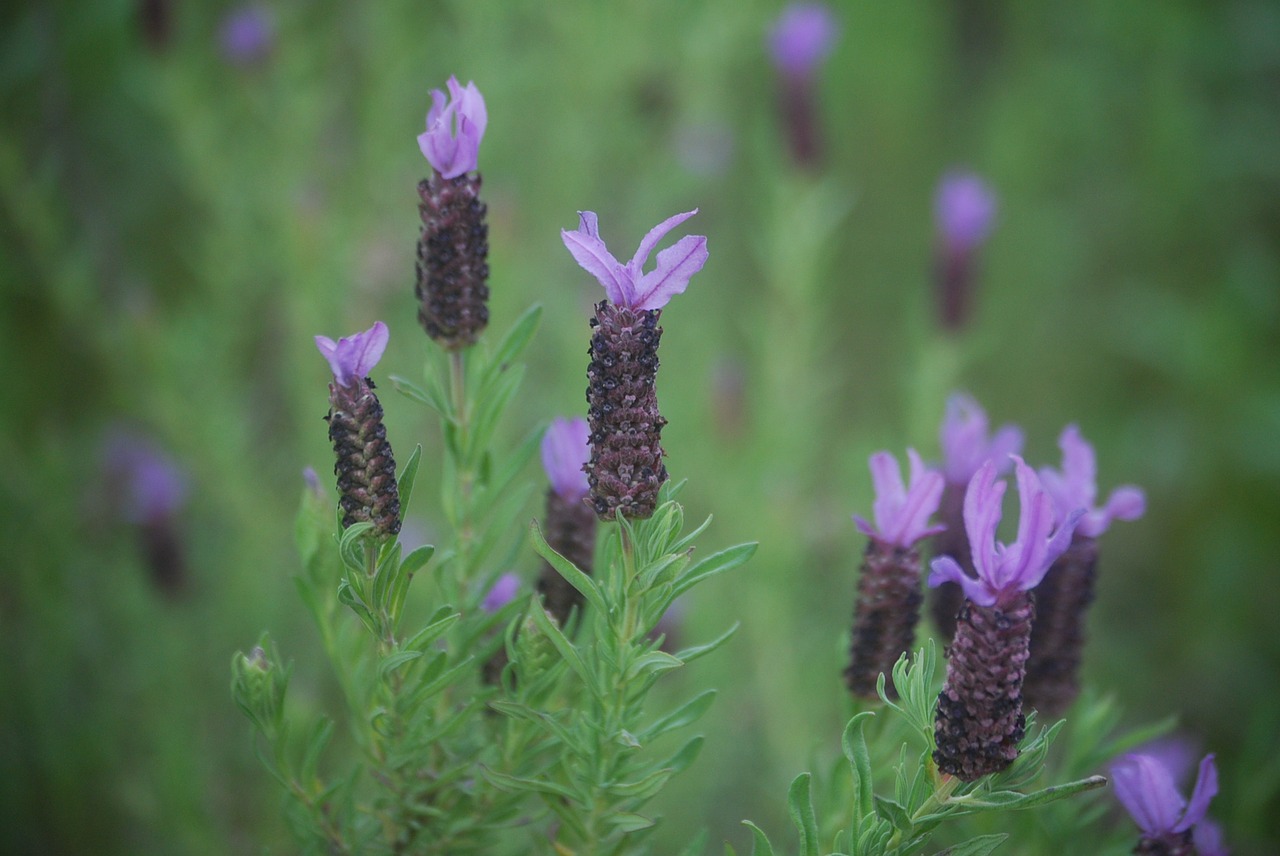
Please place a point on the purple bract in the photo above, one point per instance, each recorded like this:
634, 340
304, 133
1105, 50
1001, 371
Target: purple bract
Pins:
451, 143
502, 593
628, 286
566, 448
353, 357
965, 444
965, 209
802, 38
1001, 568
902, 511
1147, 790
1075, 486
247, 35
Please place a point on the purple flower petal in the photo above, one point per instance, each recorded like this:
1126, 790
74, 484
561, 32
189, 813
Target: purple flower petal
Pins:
353, 357
902, 511
1205, 790
982, 512
802, 38
626, 285
565, 448
945, 569
594, 257
502, 593
965, 209
676, 265
1075, 486
451, 142
1208, 840
1146, 790
964, 441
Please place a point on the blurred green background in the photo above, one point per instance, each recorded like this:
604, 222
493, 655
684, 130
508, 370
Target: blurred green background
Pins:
177, 222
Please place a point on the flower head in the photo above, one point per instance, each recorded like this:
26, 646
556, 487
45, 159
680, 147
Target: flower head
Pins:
627, 286
1075, 486
502, 592
1146, 789
902, 512
802, 38
1013, 567
247, 35
565, 449
353, 357
965, 209
154, 486
964, 441
451, 143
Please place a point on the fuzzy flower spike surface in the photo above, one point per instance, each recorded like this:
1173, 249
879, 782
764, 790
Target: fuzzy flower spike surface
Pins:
365, 467
569, 523
889, 595
1168, 822
1063, 597
626, 469
979, 722
453, 247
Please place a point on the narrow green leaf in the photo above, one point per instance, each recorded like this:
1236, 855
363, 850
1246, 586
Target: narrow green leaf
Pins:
515, 783
686, 755
408, 476
489, 412
411, 390
653, 661
394, 661
644, 788
683, 544
320, 736
627, 822
563, 645
683, 716
437, 626
514, 342
717, 563
800, 807
894, 812
688, 655
760, 845
576, 578
497, 486
1009, 800
983, 845
854, 744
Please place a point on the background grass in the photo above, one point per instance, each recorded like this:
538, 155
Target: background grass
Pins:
174, 228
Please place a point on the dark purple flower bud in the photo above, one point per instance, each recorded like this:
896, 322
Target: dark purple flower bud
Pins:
453, 248
501, 593
979, 721
247, 35
965, 447
451, 143
889, 595
365, 467
626, 469
1147, 791
570, 523
1063, 598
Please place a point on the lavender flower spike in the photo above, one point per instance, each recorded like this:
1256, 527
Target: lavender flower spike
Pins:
353, 357
451, 143
565, 451
365, 466
627, 286
1146, 789
902, 513
1075, 486
569, 523
889, 597
1017, 567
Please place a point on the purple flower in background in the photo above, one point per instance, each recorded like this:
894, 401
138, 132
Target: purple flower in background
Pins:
802, 38
965, 210
154, 487
1004, 569
1075, 486
1147, 791
628, 286
351, 358
451, 143
1206, 835
902, 511
965, 444
247, 35
566, 448
502, 592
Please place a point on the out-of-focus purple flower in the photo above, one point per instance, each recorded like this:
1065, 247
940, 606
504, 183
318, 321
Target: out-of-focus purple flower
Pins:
1005, 568
901, 511
247, 35
1207, 837
1075, 486
353, 357
965, 444
1147, 791
628, 286
154, 487
451, 143
802, 38
965, 210
566, 448
502, 593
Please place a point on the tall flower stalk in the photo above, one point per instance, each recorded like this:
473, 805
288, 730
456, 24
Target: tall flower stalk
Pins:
889, 591
626, 468
979, 721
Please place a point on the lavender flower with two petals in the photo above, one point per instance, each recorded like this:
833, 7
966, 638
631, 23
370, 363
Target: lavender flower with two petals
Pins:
889, 596
366, 468
966, 445
799, 43
626, 469
979, 721
1063, 598
1168, 822
453, 248
570, 523
965, 210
